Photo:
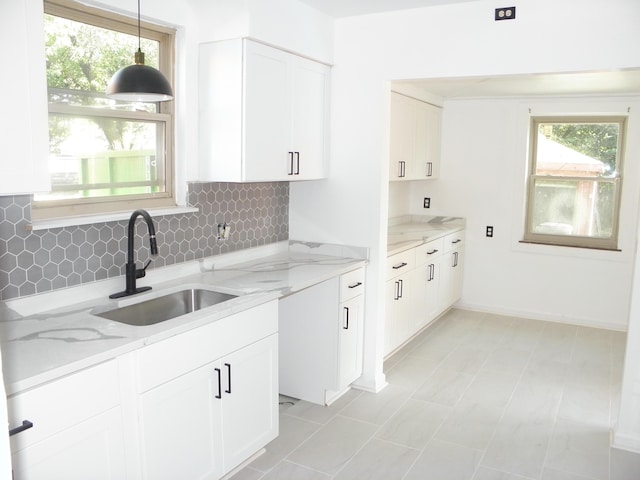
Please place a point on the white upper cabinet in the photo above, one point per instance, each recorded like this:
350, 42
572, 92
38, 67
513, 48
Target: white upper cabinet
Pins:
414, 152
23, 127
263, 113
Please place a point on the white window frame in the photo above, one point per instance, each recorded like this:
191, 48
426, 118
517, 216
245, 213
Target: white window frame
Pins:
47, 210
589, 242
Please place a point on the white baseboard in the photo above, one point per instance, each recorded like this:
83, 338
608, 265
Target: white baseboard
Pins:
629, 443
545, 316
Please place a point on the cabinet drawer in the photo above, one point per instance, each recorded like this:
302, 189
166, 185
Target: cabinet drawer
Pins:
453, 241
400, 263
429, 250
351, 284
63, 403
170, 358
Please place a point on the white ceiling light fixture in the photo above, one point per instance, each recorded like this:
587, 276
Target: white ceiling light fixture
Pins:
139, 82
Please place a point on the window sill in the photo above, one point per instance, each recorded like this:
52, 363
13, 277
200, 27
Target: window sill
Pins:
101, 218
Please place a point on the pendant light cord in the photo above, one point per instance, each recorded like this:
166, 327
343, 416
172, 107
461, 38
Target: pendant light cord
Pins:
139, 49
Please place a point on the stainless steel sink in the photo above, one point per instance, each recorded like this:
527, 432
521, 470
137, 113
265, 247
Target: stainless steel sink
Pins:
166, 307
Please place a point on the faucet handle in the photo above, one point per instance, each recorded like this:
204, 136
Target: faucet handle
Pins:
141, 273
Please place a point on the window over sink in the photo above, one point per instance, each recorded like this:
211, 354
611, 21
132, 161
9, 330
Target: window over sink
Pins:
104, 154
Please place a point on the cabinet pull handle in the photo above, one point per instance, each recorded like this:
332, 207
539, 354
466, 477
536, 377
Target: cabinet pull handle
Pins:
297, 163
430, 272
457, 240
429, 169
26, 425
400, 289
219, 395
400, 265
290, 163
435, 250
228, 365
346, 318
354, 285
396, 293
455, 259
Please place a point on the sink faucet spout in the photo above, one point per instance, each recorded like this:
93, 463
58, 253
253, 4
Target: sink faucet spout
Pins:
131, 271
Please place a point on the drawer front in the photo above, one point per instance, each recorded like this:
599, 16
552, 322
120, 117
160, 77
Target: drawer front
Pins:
351, 284
400, 263
63, 403
429, 250
163, 361
453, 241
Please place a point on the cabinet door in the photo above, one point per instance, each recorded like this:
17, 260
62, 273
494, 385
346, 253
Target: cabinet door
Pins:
91, 449
350, 333
181, 427
398, 312
310, 94
23, 125
267, 114
402, 120
451, 281
249, 400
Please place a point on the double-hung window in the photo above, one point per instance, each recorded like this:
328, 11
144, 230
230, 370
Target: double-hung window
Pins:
575, 181
104, 155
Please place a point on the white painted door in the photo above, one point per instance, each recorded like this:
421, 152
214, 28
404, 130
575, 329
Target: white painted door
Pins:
181, 427
310, 94
249, 400
267, 114
350, 334
91, 449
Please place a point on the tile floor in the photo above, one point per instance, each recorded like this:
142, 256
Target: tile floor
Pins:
474, 397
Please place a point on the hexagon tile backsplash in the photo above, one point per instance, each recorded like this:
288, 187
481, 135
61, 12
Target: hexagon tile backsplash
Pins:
39, 261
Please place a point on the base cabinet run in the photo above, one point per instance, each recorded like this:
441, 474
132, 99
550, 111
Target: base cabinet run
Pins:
422, 283
321, 339
206, 422
192, 406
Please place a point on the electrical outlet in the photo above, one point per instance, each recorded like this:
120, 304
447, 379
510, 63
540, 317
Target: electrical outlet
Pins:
505, 13
489, 231
427, 202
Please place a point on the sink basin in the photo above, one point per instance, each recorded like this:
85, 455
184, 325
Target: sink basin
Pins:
166, 307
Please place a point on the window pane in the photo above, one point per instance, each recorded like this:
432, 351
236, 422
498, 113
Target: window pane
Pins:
577, 149
102, 156
573, 207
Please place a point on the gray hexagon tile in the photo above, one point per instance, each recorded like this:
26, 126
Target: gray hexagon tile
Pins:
45, 260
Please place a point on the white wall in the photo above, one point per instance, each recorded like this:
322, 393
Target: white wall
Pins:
449, 41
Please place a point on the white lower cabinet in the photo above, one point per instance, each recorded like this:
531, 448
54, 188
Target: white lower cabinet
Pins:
321, 339
209, 397
208, 421
77, 428
422, 283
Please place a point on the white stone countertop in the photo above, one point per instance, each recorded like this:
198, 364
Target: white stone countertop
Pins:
409, 231
47, 336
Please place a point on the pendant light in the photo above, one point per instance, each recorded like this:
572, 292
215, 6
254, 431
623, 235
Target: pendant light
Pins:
139, 82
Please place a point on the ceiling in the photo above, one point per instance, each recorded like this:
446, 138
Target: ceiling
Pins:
348, 8
582, 83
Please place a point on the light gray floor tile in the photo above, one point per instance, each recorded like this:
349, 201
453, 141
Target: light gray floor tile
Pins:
414, 424
247, 473
624, 465
319, 413
378, 407
471, 424
506, 360
581, 449
586, 404
552, 474
333, 445
445, 387
290, 471
485, 473
443, 460
412, 371
523, 334
293, 431
466, 359
378, 460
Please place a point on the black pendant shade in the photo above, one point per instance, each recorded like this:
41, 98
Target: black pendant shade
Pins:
139, 82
